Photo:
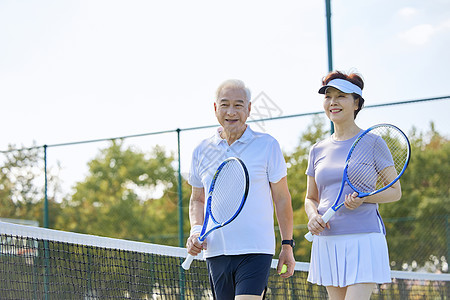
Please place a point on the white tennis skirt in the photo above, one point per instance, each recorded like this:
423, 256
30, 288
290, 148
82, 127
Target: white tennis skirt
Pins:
342, 260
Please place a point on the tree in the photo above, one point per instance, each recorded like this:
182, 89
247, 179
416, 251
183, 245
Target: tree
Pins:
418, 223
127, 194
22, 185
297, 162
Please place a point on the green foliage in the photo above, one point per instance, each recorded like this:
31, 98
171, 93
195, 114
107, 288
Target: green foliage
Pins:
418, 225
127, 194
297, 162
21, 188
427, 176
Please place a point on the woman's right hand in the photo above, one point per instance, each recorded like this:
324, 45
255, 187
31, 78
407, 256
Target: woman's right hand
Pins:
316, 225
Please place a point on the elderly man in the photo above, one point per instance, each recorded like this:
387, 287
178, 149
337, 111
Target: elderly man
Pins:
239, 255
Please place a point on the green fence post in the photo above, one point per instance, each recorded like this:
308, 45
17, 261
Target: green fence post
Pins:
45, 189
330, 49
180, 195
180, 214
46, 249
447, 229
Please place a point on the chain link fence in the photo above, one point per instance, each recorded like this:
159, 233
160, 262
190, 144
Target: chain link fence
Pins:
415, 244
53, 179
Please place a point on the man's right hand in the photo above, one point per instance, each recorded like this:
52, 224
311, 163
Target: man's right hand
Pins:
193, 245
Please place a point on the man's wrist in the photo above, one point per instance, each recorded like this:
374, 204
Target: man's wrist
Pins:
196, 229
288, 242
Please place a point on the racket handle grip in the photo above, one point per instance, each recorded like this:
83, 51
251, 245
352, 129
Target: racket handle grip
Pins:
187, 262
309, 236
326, 217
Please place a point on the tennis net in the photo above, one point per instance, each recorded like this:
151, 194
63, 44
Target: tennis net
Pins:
38, 263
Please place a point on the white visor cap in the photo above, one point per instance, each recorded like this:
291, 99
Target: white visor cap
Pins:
342, 85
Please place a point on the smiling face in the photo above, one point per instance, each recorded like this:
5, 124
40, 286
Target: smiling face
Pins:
339, 107
232, 109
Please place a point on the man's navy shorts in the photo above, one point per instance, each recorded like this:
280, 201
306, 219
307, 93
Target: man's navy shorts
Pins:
232, 275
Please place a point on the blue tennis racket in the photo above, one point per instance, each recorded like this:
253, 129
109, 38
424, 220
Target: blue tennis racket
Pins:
227, 194
376, 160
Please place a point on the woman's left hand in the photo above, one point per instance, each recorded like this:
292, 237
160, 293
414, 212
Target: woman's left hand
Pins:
352, 201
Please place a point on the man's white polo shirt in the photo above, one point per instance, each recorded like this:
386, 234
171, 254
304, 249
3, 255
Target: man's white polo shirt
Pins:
253, 230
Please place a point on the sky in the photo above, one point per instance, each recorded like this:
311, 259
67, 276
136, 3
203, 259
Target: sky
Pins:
73, 70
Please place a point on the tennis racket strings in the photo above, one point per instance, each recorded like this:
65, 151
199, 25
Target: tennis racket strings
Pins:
227, 195
228, 192
384, 146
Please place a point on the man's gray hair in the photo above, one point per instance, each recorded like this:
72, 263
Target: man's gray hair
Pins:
234, 83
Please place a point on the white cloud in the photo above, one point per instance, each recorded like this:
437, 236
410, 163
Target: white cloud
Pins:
445, 25
418, 35
407, 12
423, 33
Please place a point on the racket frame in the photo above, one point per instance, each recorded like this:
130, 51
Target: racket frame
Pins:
361, 194
208, 214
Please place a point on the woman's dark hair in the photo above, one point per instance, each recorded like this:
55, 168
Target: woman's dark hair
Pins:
351, 77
